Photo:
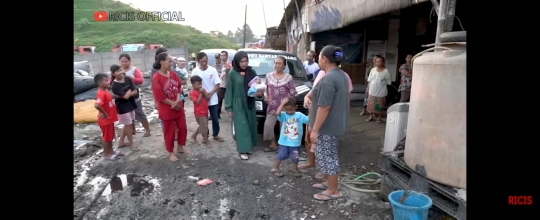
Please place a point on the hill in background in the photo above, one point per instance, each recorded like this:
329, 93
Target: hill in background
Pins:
104, 35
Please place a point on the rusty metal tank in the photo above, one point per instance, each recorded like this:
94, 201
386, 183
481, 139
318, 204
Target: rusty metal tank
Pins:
436, 131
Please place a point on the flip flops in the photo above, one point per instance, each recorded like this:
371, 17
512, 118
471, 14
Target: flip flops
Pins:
277, 173
320, 186
114, 157
326, 197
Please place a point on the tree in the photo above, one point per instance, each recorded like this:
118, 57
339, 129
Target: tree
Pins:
230, 37
239, 35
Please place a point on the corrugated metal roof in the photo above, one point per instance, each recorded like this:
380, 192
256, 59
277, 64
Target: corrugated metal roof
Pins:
334, 14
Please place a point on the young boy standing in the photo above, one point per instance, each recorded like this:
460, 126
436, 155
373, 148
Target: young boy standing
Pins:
200, 101
107, 115
290, 137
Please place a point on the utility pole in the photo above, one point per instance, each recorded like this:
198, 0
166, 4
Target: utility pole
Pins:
245, 26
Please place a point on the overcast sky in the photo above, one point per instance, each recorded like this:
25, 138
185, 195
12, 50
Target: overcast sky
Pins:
220, 15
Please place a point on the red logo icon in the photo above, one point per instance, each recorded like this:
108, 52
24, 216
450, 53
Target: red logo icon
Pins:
100, 16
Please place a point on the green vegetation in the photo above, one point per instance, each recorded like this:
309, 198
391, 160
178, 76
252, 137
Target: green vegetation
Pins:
104, 35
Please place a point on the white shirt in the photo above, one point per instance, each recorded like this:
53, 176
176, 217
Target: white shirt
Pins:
210, 78
310, 69
378, 81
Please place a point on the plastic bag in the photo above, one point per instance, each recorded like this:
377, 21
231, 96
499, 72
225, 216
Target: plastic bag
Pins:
85, 112
82, 84
254, 88
83, 65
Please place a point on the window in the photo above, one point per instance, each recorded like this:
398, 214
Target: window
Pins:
264, 64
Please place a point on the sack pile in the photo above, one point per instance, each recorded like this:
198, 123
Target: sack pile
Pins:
85, 112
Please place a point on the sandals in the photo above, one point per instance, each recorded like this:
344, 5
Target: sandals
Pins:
114, 157
320, 186
270, 149
217, 138
319, 176
277, 173
326, 197
369, 119
244, 156
134, 149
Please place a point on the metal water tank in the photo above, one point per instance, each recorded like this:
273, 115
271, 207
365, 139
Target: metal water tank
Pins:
396, 124
436, 132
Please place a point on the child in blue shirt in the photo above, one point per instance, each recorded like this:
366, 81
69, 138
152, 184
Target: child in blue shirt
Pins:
290, 137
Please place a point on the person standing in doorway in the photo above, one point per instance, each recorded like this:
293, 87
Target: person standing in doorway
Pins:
210, 82
225, 64
328, 119
136, 76
279, 85
406, 79
379, 78
310, 65
370, 66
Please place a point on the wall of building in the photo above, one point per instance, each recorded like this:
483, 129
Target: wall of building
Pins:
142, 60
298, 31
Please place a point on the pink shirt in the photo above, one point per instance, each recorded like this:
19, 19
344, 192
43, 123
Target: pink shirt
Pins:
322, 74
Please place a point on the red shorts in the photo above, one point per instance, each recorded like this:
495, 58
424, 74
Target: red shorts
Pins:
107, 132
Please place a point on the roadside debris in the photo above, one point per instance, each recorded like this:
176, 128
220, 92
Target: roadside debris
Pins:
204, 182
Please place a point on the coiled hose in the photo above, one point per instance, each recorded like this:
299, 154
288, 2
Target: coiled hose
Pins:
362, 180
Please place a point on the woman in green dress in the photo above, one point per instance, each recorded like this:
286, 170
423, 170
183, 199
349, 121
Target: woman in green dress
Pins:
240, 106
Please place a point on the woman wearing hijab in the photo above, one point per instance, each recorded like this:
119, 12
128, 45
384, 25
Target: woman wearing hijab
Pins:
240, 106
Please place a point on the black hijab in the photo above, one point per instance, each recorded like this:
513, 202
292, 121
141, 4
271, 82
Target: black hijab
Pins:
247, 77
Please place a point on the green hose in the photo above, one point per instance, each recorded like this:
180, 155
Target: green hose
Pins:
362, 180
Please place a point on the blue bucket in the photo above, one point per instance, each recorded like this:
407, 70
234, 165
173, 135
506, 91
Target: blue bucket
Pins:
415, 207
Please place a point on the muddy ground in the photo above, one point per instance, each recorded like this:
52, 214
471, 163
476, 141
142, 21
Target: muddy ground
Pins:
146, 185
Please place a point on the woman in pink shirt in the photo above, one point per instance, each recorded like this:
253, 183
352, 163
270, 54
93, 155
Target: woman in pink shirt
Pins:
307, 104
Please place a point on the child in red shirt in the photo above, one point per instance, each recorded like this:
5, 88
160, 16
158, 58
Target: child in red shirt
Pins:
200, 101
107, 115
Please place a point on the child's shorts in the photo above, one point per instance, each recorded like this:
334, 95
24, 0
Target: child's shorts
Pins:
285, 152
107, 132
127, 118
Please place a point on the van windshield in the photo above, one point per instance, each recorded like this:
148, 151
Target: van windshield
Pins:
263, 63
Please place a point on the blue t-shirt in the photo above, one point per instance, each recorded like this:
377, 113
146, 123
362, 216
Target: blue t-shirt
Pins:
291, 128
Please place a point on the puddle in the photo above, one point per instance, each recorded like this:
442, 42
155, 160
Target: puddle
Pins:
138, 185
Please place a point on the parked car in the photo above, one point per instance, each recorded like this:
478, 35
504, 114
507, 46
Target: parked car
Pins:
262, 61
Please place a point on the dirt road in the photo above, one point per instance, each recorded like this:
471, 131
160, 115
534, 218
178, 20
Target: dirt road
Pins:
146, 185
